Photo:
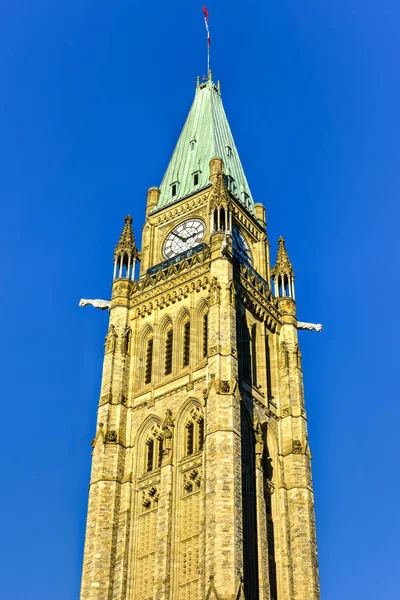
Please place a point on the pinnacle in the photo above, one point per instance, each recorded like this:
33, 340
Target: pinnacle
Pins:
126, 244
282, 264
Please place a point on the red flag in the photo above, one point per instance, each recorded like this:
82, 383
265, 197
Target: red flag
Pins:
205, 11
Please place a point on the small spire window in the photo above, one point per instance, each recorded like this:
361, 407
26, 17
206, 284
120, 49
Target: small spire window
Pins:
174, 189
196, 178
229, 151
192, 145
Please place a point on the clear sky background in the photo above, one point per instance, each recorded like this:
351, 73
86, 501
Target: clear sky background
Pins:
93, 96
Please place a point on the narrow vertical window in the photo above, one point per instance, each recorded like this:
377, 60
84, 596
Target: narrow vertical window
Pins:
254, 354
201, 434
205, 335
196, 179
168, 353
150, 455
271, 549
190, 439
160, 452
149, 361
186, 344
268, 361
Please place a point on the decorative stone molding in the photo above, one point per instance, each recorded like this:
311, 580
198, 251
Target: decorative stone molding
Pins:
192, 480
99, 435
150, 498
167, 434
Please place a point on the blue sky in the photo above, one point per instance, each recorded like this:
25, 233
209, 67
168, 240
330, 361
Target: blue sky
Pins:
93, 97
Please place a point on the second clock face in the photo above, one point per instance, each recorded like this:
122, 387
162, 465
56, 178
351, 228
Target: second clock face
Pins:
184, 236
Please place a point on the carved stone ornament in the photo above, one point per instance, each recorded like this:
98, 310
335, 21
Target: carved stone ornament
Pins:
298, 356
215, 291
283, 355
309, 326
101, 304
225, 387
297, 447
111, 339
259, 445
167, 434
112, 436
225, 244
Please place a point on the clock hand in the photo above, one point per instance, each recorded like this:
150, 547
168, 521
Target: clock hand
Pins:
181, 238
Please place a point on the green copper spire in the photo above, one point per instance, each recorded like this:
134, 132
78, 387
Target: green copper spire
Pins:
206, 134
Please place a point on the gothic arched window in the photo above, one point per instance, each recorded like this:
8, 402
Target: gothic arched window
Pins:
154, 450
194, 435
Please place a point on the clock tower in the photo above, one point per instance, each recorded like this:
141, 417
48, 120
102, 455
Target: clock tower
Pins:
201, 480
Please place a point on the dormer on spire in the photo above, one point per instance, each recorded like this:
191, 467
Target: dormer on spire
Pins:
126, 253
283, 274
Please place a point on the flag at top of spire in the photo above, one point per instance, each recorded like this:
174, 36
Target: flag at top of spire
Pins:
205, 11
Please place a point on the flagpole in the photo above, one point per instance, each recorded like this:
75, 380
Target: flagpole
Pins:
205, 11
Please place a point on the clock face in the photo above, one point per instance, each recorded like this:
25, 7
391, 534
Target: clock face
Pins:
240, 247
184, 236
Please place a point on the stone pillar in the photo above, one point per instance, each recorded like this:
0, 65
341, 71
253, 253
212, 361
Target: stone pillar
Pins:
296, 467
108, 465
222, 467
164, 531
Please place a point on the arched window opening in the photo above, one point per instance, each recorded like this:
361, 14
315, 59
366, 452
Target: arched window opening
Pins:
150, 455
222, 219
287, 288
194, 434
186, 344
205, 335
154, 451
149, 361
215, 228
168, 352
189, 438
